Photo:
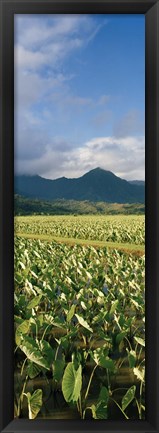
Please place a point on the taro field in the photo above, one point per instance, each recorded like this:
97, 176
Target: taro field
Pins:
79, 317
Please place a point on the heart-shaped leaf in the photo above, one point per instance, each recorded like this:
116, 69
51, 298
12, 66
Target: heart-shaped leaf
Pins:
83, 323
34, 403
72, 382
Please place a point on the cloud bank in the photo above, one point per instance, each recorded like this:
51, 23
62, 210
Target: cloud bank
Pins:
61, 130
124, 157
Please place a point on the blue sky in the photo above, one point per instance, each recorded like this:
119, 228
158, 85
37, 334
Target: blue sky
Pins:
79, 94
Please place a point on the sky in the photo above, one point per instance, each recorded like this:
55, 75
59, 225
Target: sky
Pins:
79, 95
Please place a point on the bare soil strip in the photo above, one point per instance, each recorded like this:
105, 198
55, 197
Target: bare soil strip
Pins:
126, 247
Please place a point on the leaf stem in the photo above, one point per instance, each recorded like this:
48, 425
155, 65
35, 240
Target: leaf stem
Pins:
20, 401
119, 407
128, 342
22, 369
90, 380
45, 332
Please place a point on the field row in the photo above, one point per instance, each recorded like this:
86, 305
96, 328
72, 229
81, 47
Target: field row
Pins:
79, 315
120, 229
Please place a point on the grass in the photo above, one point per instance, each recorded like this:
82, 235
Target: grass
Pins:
127, 247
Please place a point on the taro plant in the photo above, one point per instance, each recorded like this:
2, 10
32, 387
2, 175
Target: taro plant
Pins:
34, 403
73, 393
79, 319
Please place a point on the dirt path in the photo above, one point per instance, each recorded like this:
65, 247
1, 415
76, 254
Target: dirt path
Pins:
129, 248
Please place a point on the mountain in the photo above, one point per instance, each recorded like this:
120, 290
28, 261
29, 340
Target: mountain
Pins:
96, 185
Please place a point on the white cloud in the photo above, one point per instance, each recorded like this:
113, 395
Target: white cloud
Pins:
124, 157
38, 31
42, 43
28, 59
44, 98
48, 40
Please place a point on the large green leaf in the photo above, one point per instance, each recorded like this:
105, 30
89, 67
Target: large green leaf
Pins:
47, 351
102, 410
102, 405
21, 330
34, 403
128, 397
32, 352
102, 359
50, 320
140, 341
83, 323
33, 370
58, 367
71, 312
34, 302
104, 394
106, 362
131, 358
99, 410
120, 336
114, 306
72, 383
140, 373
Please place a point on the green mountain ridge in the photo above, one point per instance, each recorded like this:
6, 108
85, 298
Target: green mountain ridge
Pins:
97, 185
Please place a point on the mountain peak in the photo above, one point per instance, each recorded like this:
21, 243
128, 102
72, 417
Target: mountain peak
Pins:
96, 185
98, 170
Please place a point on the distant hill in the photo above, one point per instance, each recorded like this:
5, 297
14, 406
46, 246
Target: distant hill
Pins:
27, 206
96, 185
